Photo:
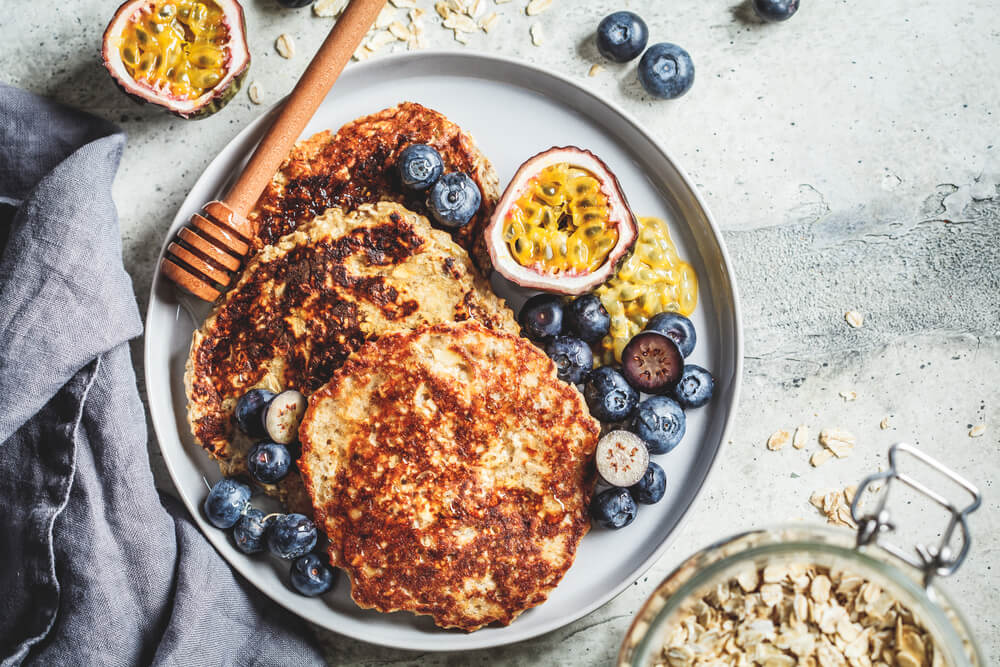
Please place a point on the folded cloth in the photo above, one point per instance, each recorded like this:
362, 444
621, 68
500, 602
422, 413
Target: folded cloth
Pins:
95, 566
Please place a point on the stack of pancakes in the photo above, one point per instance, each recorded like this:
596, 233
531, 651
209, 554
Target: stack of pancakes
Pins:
447, 464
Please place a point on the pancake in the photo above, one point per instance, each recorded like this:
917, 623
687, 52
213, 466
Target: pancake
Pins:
451, 470
304, 304
357, 166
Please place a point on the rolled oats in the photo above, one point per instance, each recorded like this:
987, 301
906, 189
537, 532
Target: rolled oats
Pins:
801, 436
329, 8
849, 395
778, 440
488, 21
836, 507
255, 92
285, 45
977, 430
854, 318
820, 457
884, 424
838, 441
595, 69
536, 7
537, 36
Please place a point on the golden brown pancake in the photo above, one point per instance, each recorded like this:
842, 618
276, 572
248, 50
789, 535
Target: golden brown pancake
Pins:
451, 470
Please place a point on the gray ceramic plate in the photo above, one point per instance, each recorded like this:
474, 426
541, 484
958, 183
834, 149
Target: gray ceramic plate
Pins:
513, 110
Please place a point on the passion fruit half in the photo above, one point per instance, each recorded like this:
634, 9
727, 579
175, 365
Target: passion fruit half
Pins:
563, 225
188, 56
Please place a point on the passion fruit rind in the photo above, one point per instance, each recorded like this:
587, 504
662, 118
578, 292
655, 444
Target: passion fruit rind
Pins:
619, 216
202, 106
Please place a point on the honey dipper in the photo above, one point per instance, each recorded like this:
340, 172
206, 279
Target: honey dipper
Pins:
206, 254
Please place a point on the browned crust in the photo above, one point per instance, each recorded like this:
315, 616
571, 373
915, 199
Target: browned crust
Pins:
357, 166
400, 460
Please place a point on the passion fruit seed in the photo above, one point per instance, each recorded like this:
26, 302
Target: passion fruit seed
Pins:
652, 362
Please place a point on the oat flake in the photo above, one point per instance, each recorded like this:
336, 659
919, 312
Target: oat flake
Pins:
854, 318
777, 440
595, 69
255, 92
536, 7
801, 437
977, 430
537, 37
285, 45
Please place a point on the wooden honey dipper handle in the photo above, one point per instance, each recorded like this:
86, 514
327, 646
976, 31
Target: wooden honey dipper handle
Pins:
211, 247
309, 92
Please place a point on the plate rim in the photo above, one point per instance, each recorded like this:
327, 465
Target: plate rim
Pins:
434, 641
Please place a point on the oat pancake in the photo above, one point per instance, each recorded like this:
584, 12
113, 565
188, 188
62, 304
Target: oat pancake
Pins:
451, 470
357, 165
304, 304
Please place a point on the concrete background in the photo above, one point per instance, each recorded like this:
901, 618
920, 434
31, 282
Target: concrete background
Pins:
851, 157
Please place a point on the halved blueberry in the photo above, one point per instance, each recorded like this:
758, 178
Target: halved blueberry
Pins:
269, 462
587, 318
652, 362
283, 416
660, 422
226, 502
454, 199
695, 388
609, 395
291, 535
573, 358
622, 36
541, 317
666, 71
420, 166
621, 458
310, 575
249, 531
650, 489
613, 508
249, 410
775, 10
676, 327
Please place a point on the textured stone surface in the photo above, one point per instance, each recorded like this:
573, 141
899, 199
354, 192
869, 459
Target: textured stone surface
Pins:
850, 157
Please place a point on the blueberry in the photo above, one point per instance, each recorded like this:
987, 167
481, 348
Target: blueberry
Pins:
454, 199
226, 502
291, 536
269, 462
249, 410
249, 531
609, 395
650, 489
677, 327
573, 358
622, 36
311, 576
541, 316
586, 318
695, 388
666, 71
775, 10
420, 166
652, 363
613, 508
660, 422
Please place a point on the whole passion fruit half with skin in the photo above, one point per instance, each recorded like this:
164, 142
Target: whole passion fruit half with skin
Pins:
188, 56
563, 225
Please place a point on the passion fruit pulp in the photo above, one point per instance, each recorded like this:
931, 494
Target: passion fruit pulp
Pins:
188, 56
563, 224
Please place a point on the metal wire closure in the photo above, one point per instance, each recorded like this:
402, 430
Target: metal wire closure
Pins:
940, 560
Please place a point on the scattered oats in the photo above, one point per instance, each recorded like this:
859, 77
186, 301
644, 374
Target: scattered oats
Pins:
854, 318
380, 39
801, 436
820, 457
285, 45
416, 14
384, 18
463, 37
442, 9
536, 34
977, 430
362, 53
460, 6
477, 8
400, 31
836, 507
884, 424
488, 21
460, 22
777, 440
838, 441
536, 7
403, 4
595, 69
329, 8
849, 395
255, 92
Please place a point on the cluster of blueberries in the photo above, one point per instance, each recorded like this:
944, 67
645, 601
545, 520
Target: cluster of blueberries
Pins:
652, 363
452, 198
261, 413
665, 70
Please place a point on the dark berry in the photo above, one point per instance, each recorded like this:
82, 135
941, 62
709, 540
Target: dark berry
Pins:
650, 489
677, 327
250, 409
614, 508
573, 358
269, 462
283, 416
609, 395
652, 362
454, 199
622, 36
420, 166
249, 531
226, 502
660, 422
775, 10
587, 319
541, 317
291, 535
310, 575
695, 388
666, 71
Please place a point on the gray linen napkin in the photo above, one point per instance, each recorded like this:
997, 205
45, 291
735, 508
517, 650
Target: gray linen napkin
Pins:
95, 566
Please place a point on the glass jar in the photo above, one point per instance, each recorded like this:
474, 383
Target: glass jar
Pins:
908, 580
